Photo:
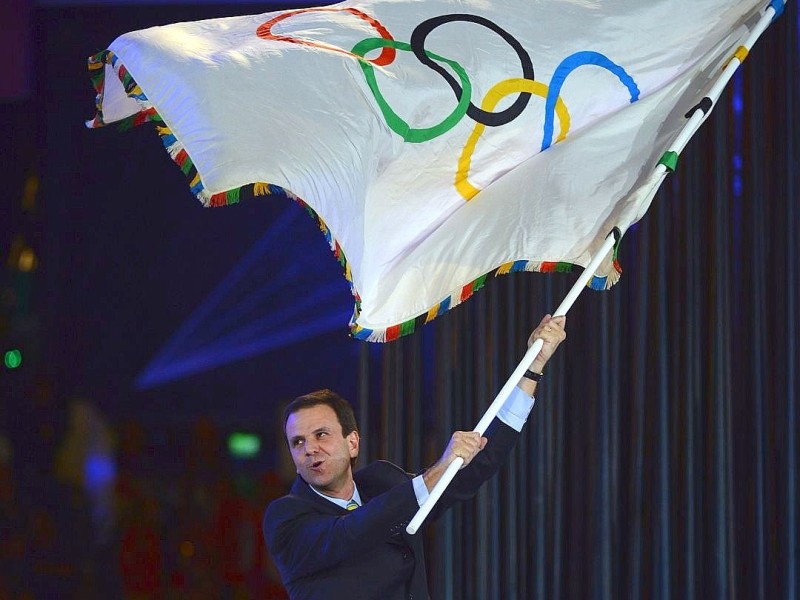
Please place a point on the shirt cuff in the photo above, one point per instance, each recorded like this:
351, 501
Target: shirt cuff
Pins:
515, 409
420, 489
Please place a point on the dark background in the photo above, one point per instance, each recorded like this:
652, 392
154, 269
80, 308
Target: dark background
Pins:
661, 459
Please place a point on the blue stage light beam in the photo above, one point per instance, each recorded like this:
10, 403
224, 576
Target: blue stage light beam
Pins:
312, 304
285, 290
212, 358
268, 243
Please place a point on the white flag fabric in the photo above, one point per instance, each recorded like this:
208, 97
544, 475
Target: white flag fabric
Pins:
438, 142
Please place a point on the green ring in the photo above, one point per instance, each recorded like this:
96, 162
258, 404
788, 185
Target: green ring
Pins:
393, 120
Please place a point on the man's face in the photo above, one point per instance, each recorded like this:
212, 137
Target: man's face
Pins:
320, 452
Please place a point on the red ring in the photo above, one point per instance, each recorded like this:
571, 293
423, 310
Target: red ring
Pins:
386, 57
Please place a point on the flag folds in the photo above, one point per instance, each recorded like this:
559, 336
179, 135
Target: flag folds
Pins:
437, 142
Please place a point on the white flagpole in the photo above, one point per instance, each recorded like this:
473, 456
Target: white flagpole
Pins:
696, 118
506, 390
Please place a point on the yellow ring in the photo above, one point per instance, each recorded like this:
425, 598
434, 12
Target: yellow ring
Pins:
493, 96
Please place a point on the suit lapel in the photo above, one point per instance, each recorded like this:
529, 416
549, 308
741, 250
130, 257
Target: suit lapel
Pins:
302, 490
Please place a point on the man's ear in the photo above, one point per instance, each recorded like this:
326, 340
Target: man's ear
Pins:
353, 441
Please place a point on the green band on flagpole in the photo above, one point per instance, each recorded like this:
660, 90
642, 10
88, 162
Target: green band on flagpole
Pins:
670, 160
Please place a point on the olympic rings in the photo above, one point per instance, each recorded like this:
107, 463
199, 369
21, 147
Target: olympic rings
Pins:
397, 124
418, 38
462, 87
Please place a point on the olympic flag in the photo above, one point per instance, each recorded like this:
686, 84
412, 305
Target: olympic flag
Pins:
437, 142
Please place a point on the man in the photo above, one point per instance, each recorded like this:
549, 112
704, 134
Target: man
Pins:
340, 534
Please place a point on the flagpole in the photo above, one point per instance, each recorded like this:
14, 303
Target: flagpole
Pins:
516, 375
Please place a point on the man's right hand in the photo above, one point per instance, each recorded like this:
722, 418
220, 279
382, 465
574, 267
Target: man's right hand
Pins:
463, 444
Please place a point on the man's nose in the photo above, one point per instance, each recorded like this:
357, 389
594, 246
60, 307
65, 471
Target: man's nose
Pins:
311, 447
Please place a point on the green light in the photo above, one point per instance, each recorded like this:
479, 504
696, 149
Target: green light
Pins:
13, 358
244, 445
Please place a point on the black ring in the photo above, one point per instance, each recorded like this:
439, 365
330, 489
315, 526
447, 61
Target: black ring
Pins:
492, 119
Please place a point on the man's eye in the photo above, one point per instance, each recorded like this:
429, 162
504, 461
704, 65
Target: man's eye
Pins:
322, 433
298, 443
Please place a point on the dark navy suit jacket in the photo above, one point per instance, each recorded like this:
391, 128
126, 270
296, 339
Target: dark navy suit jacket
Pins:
325, 552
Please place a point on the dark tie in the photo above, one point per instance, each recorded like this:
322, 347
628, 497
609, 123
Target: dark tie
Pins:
352, 505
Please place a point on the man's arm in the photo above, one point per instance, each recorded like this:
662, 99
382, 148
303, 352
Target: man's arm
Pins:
480, 464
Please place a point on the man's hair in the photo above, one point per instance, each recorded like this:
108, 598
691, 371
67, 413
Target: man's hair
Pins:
342, 408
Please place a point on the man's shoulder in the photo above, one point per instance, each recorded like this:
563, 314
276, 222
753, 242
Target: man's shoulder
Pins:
279, 507
381, 472
282, 515
381, 466
298, 499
